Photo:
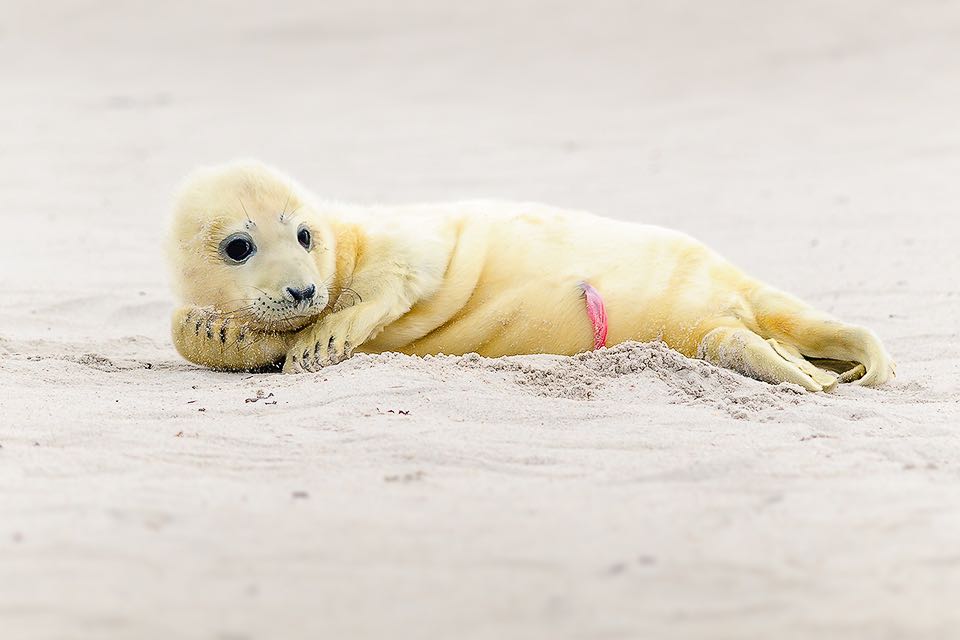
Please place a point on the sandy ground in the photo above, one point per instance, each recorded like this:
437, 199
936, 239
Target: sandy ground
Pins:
626, 494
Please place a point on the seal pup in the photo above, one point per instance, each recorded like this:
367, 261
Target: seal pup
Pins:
268, 275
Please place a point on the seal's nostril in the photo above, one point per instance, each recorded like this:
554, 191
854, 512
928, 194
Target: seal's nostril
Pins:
299, 295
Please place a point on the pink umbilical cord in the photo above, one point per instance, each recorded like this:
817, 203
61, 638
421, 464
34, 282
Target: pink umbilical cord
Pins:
597, 313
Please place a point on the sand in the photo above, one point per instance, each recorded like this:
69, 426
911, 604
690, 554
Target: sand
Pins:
627, 493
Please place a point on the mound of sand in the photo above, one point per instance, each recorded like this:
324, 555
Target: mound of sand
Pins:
650, 371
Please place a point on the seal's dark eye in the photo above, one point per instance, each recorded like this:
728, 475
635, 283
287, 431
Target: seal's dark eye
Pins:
237, 248
303, 237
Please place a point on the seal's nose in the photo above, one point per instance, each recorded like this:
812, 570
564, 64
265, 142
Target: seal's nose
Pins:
299, 295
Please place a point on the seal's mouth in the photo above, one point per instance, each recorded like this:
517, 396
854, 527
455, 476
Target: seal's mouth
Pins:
286, 320
289, 323
273, 315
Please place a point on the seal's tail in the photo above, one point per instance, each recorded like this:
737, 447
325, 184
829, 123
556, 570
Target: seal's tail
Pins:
818, 335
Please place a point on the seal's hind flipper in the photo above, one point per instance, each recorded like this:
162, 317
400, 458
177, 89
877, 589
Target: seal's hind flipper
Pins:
846, 370
790, 353
853, 374
818, 335
736, 347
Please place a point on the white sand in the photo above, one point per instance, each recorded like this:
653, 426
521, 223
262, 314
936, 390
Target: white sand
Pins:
623, 494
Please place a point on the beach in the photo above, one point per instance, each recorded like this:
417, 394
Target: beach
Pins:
622, 493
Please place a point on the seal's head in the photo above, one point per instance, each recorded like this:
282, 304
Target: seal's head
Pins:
247, 242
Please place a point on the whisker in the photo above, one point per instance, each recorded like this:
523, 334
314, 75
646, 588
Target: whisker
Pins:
250, 222
248, 345
284, 212
239, 314
294, 212
237, 310
248, 300
286, 318
353, 292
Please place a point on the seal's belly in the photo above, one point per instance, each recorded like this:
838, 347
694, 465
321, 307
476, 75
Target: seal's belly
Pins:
527, 298
513, 322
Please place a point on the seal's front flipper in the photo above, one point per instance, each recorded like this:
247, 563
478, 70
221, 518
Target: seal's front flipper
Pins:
224, 341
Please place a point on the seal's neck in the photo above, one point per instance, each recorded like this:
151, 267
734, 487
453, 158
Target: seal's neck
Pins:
349, 242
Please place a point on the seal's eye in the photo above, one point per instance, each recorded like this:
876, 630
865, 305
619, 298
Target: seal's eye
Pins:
237, 248
303, 237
